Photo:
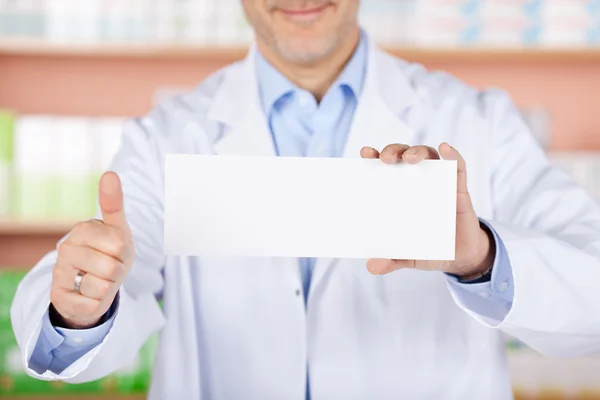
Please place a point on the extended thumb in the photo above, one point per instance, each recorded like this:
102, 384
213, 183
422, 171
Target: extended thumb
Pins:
111, 201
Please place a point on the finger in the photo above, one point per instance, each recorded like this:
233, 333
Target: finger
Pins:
369, 152
96, 288
106, 239
91, 286
378, 266
392, 153
385, 266
416, 154
111, 201
73, 306
450, 153
93, 260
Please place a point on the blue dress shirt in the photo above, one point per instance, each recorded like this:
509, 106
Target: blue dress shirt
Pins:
300, 127
303, 128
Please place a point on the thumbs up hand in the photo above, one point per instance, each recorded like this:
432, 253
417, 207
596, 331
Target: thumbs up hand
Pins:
93, 262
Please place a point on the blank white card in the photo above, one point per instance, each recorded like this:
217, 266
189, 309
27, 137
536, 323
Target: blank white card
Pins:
309, 207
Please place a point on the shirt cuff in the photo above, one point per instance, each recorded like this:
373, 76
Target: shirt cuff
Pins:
48, 340
85, 337
57, 348
494, 298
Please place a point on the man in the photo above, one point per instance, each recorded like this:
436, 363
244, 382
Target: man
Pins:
528, 240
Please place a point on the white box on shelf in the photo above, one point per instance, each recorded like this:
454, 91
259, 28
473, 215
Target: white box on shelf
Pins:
389, 22
116, 14
230, 21
202, 29
165, 20
33, 166
73, 168
8, 26
31, 18
58, 20
182, 20
7, 120
538, 120
583, 167
136, 17
111, 130
105, 136
5, 189
447, 23
532, 374
86, 24
571, 23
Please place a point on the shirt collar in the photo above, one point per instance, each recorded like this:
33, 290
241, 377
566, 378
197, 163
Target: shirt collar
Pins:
353, 74
273, 85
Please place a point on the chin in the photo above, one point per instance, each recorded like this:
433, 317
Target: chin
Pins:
305, 50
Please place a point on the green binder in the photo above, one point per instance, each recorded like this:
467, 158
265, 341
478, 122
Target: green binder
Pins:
7, 122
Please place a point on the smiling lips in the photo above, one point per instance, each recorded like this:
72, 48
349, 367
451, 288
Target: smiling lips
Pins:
305, 15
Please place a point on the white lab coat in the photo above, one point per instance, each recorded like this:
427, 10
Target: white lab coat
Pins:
405, 335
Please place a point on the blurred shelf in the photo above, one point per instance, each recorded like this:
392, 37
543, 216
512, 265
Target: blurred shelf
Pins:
475, 54
33, 47
10, 227
24, 243
36, 47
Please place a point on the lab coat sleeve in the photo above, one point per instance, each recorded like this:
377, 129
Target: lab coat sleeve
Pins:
138, 314
550, 228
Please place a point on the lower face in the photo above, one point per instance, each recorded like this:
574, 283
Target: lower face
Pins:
302, 31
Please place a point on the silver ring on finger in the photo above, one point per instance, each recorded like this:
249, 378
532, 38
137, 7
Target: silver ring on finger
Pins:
78, 280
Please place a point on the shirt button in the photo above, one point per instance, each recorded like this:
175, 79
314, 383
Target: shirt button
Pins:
78, 340
484, 294
503, 286
297, 292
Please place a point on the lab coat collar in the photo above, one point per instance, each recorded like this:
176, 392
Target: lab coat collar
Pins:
237, 106
387, 92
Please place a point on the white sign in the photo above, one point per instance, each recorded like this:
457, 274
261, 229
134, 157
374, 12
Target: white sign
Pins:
309, 207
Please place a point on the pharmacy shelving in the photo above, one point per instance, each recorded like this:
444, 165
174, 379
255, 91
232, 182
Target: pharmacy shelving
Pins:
33, 47
93, 73
34, 227
23, 243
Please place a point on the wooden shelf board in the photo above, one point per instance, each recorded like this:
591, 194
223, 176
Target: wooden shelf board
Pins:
475, 54
35, 47
32, 47
17, 227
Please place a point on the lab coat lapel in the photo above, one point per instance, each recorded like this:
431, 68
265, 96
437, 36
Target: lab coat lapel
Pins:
387, 95
237, 106
246, 131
